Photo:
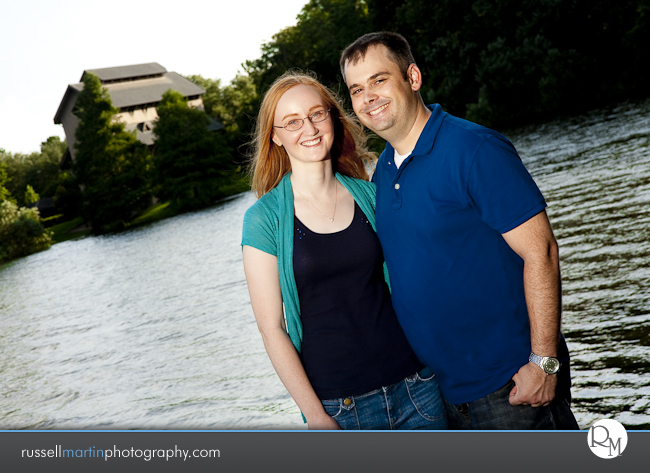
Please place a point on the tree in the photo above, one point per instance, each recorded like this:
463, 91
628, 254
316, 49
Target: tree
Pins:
31, 197
111, 165
234, 105
191, 161
21, 232
38, 170
4, 192
498, 62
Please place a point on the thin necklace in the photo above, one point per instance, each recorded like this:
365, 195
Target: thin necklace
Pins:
336, 194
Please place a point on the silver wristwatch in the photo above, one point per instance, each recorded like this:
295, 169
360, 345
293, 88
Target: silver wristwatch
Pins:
549, 364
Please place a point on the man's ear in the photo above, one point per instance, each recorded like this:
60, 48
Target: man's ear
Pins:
275, 139
414, 75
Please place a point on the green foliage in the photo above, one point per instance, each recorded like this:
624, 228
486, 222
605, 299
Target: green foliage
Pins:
324, 29
213, 94
111, 165
67, 196
21, 232
38, 170
31, 197
513, 61
190, 160
234, 105
492, 61
4, 192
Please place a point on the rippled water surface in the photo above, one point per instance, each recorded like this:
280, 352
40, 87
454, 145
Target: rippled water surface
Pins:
152, 328
595, 173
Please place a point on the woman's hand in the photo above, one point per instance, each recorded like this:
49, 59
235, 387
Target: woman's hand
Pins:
261, 271
324, 422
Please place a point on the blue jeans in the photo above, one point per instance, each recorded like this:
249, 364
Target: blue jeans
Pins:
494, 412
413, 403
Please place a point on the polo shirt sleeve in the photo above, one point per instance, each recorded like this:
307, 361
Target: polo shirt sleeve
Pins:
260, 229
500, 188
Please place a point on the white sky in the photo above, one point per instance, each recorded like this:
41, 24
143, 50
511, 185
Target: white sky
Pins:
47, 44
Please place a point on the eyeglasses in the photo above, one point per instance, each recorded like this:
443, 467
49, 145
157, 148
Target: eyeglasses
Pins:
296, 124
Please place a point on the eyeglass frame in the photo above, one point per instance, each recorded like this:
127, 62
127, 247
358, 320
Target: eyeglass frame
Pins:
327, 114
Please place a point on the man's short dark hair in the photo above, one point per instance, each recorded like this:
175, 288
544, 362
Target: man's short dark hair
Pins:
398, 48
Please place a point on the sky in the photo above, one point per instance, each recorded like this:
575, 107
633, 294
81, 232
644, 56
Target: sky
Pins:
47, 44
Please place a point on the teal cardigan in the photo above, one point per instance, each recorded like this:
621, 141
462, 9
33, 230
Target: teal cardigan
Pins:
269, 227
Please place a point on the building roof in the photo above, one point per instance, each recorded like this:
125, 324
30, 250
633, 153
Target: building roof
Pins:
110, 74
137, 92
145, 91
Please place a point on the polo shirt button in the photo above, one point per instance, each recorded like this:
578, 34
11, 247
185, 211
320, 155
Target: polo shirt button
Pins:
347, 401
397, 186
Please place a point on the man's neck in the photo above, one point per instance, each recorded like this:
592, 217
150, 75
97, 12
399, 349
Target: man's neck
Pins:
406, 144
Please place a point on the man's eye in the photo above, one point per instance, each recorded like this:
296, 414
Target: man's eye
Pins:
355, 91
379, 81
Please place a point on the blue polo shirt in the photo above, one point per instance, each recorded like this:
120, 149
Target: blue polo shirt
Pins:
457, 286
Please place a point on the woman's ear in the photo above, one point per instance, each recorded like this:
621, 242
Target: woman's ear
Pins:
275, 139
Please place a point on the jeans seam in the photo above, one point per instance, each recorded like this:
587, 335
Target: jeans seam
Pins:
390, 418
417, 409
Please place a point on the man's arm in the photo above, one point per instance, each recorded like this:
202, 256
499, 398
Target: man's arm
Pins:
534, 242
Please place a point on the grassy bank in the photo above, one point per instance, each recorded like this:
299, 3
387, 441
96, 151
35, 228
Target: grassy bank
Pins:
159, 211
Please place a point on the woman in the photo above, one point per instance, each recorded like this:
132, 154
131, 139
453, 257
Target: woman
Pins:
309, 242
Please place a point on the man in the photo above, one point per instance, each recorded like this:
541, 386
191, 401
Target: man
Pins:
472, 258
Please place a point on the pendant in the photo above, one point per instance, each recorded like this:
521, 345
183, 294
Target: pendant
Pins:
331, 219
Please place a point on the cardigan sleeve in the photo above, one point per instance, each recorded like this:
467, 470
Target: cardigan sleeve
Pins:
260, 228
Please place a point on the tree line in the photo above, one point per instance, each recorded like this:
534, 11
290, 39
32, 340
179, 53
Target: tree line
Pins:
496, 62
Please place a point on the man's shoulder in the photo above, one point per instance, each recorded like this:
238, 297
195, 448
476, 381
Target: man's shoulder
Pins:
467, 130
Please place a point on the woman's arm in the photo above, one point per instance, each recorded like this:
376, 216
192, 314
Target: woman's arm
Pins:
261, 271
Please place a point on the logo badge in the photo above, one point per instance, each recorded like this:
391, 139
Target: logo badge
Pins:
607, 438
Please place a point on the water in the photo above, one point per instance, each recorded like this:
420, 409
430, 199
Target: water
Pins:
595, 173
152, 328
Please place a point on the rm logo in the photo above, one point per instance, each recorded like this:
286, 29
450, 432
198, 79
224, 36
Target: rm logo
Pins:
607, 438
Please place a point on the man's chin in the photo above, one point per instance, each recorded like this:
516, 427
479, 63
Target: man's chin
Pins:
377, 127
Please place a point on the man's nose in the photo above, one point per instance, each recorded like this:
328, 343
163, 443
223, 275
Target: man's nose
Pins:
369, 96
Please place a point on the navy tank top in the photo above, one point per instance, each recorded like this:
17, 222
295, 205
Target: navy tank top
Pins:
352, 341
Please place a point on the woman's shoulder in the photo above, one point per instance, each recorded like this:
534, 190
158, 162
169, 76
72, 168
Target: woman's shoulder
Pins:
359, 188
360, 183
264, 208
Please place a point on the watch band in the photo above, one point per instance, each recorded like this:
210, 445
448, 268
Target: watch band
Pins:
549, 364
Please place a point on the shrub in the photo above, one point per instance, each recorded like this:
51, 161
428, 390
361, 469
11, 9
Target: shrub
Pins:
21, 232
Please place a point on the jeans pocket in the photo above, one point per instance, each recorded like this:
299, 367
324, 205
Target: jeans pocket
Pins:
425, 395
332, 407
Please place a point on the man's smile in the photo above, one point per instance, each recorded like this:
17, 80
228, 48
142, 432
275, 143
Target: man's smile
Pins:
377, 110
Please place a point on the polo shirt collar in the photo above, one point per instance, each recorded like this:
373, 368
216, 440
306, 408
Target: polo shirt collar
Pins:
426, 140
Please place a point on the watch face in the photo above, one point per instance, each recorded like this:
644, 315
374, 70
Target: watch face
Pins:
551, 365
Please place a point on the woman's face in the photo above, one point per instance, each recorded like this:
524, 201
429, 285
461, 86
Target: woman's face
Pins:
313, 141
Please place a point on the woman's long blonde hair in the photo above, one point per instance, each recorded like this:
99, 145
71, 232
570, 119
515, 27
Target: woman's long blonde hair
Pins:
270, 163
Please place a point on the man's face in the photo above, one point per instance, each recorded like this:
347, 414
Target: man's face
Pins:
382, 99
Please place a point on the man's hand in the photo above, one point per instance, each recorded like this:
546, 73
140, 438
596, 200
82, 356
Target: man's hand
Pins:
533, 386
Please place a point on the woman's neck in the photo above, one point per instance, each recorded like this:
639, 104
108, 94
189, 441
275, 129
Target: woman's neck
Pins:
315, 180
